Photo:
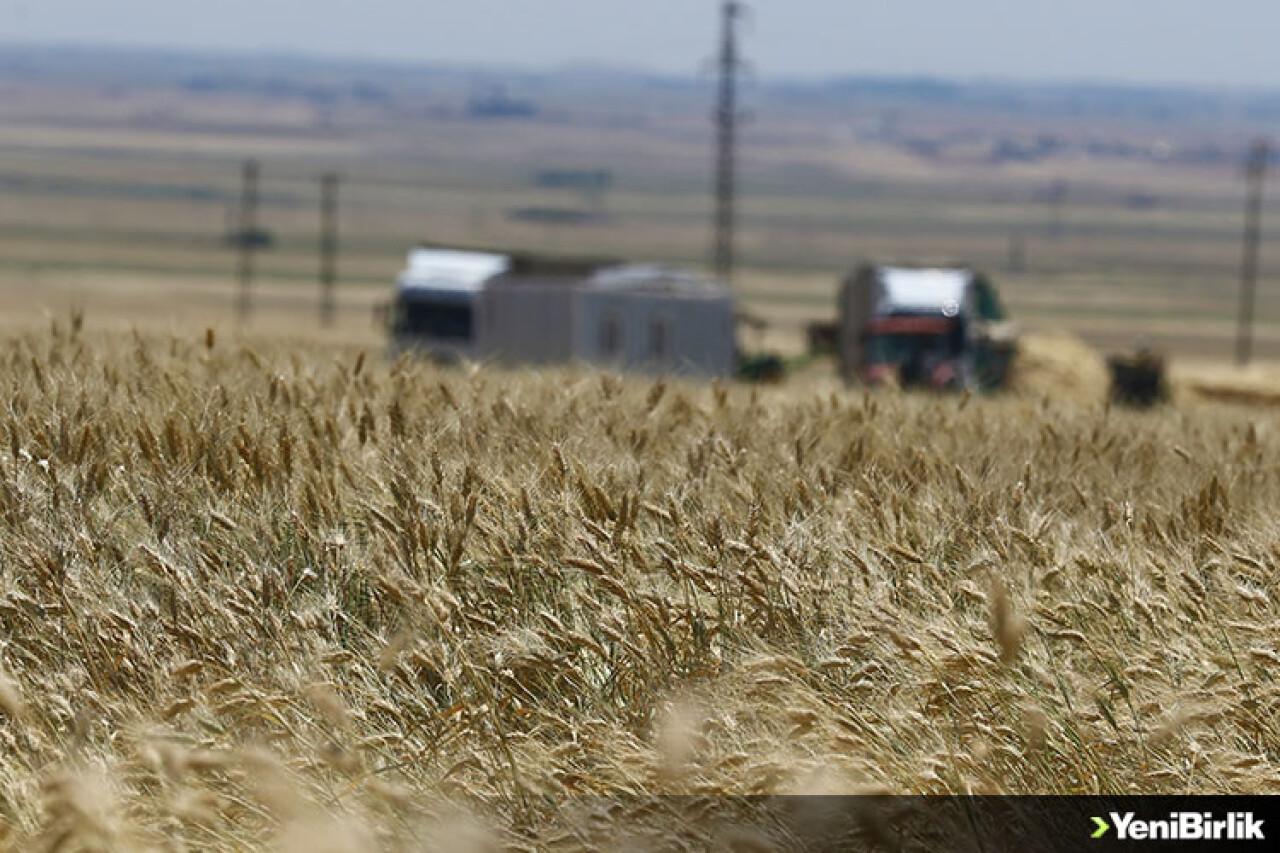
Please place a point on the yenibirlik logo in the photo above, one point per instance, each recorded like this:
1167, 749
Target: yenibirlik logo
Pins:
1182, 826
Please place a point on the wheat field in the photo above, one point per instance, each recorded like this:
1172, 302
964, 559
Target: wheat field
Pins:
258, 597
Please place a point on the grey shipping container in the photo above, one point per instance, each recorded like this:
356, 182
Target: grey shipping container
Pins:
631, 317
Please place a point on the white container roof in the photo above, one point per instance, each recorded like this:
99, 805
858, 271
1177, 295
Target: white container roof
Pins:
652, 278
450, 269
941, 290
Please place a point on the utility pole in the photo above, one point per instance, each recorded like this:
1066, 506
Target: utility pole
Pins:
328, 246
726, 118
1256, 173
247, 235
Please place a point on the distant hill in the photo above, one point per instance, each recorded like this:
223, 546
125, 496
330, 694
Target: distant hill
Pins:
326, 79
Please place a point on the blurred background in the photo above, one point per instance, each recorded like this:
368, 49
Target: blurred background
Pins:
1090, 157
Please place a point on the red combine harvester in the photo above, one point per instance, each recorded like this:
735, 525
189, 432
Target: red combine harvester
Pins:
938, 328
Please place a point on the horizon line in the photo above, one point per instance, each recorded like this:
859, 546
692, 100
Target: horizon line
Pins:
585, 66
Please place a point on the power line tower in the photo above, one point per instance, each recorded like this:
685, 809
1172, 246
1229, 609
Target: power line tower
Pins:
247, 235
1259, 156
726, 117
328, 246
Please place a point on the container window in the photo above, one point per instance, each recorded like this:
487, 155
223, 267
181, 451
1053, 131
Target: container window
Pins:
440, 320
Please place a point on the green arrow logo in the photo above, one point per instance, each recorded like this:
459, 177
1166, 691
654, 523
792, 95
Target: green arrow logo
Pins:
1102, 825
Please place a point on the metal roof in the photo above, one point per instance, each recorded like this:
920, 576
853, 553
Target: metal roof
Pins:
653, 278
450, 269
609, 278
924, 290
461, 271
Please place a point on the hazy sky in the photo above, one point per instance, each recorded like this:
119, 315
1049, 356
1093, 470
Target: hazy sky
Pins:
1208, 42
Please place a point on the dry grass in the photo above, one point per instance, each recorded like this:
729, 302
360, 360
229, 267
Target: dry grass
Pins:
1256, 385
257, 598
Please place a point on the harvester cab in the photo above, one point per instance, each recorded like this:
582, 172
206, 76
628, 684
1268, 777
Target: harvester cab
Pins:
435, 303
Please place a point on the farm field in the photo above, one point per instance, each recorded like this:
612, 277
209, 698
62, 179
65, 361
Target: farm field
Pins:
117, 190
277, 596
263, 588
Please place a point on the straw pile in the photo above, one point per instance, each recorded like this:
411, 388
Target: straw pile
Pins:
1061, 366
